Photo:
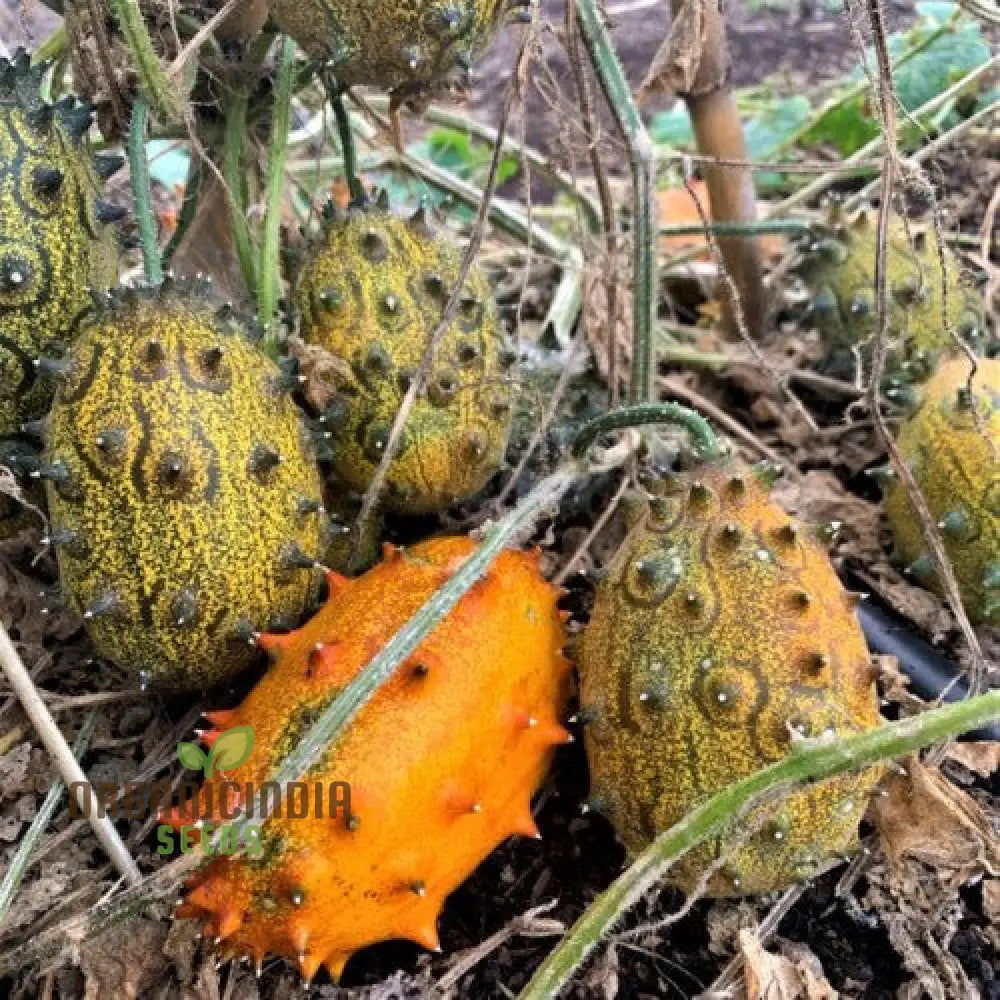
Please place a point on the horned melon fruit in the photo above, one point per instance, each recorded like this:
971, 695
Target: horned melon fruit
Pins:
183, 488
720, 635
926, 304
441, 764
411, 48
952, 446
57, 243
371, 294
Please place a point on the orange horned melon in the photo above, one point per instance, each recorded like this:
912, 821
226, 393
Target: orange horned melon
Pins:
441, 764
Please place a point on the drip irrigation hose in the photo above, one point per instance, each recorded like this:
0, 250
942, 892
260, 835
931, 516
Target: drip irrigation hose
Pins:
932, 675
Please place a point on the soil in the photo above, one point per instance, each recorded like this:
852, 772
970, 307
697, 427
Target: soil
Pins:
867, 949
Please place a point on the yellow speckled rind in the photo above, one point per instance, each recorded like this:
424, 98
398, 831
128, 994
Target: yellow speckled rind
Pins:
717, 630
953, 448
162, 445
53, 249
407, 47
371, 295
841, 273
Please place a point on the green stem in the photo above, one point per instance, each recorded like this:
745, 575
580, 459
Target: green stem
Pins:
706, 443
159, 91
233, 148
809, 760
142, 195
189, 208
740, 228
347, 147
54, 47
642, 158
269, 284
19, 863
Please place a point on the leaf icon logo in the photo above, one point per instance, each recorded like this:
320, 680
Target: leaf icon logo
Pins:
231, 748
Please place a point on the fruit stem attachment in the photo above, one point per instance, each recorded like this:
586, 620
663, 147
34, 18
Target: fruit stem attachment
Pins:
159, 91
142, 197
810, 760
347, 148
642, 158
706, 444
269, 273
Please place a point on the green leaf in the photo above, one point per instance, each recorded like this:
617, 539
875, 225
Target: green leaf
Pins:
769, 129
672, 128
230, 749
191, 756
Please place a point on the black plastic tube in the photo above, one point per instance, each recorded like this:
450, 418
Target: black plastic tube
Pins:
932, 675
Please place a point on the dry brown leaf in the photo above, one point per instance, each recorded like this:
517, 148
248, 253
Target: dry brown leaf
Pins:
324, 372
122, 964
980, 758
674, 68
798, 976
925, 817
991, 901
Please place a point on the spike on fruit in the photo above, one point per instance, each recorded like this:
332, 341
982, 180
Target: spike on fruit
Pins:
326, 890
683, 712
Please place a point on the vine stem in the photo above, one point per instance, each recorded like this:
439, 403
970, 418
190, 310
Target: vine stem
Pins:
19, 863
809, 760
159, 91
642, 159
142, 194
347, 147
269, 273
233, 146
27, 694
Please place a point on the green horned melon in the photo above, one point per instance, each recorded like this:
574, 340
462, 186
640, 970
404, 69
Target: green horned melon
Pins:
952, 445
183, 489
56, 241
923, 303
410, 48
721, 635
370, 295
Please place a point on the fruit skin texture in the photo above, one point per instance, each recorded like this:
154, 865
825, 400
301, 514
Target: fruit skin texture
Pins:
371, 294
720, 627
952, 445
442, 762
840, 270
183, 490
410, 48
54, 246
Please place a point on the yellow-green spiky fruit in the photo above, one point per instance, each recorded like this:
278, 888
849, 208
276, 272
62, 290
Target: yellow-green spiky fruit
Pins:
411, 48
183, 489
924, 301
721, 635
952, 445
371, 295
56, 241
